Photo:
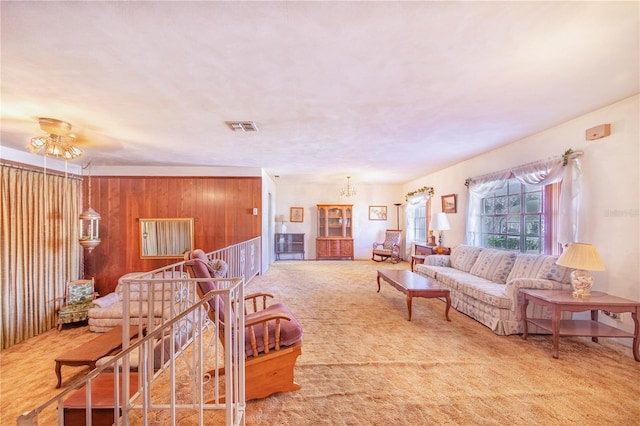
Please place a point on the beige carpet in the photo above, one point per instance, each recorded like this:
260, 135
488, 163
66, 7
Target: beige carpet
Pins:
363, 363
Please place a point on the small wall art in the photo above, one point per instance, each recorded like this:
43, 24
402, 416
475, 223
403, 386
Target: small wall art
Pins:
377, 212
449, 203
296, 214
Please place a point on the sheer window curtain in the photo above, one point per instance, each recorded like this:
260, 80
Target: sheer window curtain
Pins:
40, 250
412, 205
540, 173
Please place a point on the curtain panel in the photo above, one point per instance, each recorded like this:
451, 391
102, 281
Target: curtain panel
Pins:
562, 169
40, 250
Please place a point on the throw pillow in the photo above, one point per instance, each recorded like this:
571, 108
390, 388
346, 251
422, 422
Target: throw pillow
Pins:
463, 257
494, 265
217, 268
551, 271
526, 266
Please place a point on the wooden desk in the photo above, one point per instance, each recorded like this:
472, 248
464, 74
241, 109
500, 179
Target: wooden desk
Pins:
423, 250
560, 300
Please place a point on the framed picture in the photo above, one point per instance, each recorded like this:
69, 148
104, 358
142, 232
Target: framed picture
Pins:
296, 214
377, 212
449, 203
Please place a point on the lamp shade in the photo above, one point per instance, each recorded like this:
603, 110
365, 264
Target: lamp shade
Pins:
581, 256
440, 222
281, 218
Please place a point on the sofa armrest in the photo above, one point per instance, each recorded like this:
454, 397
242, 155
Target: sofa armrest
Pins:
438, 260
512, 288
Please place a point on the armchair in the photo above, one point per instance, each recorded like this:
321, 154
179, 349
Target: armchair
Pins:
78, 299
390, 248
273, 336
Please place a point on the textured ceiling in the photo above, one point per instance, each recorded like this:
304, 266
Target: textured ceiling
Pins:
381, 91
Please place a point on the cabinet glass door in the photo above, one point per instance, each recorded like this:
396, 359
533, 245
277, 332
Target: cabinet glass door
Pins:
348, 222
322, 223
335, 222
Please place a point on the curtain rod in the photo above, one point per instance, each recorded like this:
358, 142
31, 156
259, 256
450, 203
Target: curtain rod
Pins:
38, 169
571, 156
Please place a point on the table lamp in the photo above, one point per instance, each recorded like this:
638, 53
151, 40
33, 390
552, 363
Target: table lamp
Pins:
283, 228
583, 257
440, 223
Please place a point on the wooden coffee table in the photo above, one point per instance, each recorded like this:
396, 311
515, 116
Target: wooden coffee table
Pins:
414, 285
90, 352
559, 301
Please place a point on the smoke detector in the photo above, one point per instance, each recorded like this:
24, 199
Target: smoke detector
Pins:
242, 126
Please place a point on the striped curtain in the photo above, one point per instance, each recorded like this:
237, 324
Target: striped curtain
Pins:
39, 248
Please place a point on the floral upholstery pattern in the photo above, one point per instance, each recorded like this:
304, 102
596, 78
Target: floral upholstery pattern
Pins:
463, 257
496, 301
551, 271
78, 301
494, 265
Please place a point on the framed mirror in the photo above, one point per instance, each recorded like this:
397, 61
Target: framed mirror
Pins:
165, 238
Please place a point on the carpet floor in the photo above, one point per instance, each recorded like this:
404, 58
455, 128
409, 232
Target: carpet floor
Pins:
363, 363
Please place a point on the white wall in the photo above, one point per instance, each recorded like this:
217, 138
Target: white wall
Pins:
609, 212
365, 231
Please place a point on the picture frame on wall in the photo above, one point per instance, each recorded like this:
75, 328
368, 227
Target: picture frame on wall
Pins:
449, 203
377, 212
296, 214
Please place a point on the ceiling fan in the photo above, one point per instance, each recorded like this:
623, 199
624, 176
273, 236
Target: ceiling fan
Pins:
58, 142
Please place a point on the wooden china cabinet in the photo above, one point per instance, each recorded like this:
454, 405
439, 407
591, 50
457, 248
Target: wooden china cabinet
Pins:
335, 231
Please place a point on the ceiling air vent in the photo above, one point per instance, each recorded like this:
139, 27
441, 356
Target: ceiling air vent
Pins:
242, 126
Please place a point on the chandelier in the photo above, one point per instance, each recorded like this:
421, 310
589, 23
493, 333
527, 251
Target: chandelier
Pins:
348, 191
58, 141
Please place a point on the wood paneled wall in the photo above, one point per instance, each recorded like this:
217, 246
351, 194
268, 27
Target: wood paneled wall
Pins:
221, 206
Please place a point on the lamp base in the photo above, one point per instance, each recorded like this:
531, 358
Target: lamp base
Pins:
581, 282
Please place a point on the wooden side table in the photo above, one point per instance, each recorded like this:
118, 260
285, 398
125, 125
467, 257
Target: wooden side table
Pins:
423, 250
560, 300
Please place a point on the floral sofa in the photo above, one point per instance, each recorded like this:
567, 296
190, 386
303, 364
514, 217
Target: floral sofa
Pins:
485, 284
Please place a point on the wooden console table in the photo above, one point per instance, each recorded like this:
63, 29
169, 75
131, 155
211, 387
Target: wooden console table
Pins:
560, 300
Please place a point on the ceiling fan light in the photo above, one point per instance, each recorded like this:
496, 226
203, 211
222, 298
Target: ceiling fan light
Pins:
36, 144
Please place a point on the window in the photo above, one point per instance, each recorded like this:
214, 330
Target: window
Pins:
420, 223
420, 216
519, 217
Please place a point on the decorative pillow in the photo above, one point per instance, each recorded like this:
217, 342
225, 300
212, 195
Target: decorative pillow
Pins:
526, 266
551, 271
217, 268
79, 293
494, 265
463, 257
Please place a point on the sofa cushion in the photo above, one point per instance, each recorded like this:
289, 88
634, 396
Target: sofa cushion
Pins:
526, 266
484, 290
463, 257
494, 265
551, 271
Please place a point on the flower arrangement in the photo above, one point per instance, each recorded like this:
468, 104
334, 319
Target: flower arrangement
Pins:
565, 157
428, 189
